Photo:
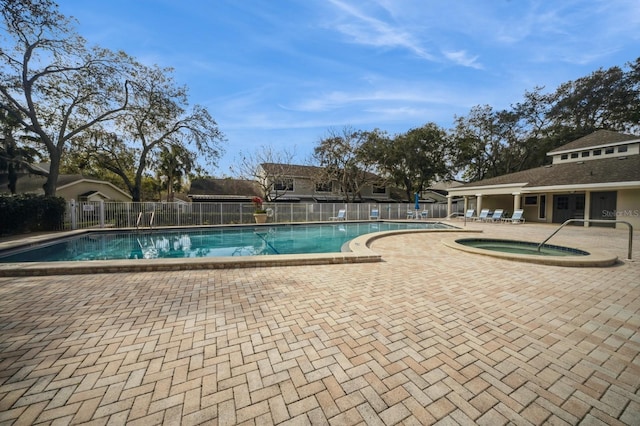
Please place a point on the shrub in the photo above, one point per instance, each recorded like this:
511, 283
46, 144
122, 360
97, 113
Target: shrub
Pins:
26, 213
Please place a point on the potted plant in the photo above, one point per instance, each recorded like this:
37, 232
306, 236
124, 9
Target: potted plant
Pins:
259, 214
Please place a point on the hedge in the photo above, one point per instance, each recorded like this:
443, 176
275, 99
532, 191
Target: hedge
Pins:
20, 214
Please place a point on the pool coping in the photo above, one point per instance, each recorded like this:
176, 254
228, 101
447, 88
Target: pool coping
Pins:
595, 258
359, 252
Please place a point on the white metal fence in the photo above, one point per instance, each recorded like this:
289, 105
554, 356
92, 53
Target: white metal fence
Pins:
102, 214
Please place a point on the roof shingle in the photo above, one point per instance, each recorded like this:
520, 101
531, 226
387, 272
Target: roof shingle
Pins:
606, 170
597, 138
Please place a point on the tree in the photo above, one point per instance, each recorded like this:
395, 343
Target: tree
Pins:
59, 88
267, 166
14, 157
174, 166
155, 118
597, 101
343, 159
477, 143
532, 138
415, 159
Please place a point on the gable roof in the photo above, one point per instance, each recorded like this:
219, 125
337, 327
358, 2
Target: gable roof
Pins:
298, 171
606, 170
223, 189
597, 138
31, 183
291, 170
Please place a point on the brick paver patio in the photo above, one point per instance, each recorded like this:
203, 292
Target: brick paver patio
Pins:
429, 336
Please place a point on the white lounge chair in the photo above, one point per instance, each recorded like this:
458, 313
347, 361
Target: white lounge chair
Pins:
342, 215
411, 214
424, 214
468, 215
517, 217
374, 214
496, 216
483, 215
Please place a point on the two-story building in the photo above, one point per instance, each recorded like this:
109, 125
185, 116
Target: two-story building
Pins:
296, 183
594, 177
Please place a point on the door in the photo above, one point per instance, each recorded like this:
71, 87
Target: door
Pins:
568, 206
603, 207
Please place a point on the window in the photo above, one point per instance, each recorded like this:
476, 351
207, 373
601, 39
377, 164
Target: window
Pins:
574, 155
564, 156
622, 148
379, 189
597, 152
531, 200
562, 202
324, 187
542, 207
585, 154
283, 185
608, 151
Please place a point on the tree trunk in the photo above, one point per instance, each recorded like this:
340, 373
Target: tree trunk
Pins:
51, 185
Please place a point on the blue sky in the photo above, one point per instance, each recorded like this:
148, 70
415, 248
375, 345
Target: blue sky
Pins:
282, 73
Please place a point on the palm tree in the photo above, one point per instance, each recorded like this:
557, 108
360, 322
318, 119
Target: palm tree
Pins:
174, 164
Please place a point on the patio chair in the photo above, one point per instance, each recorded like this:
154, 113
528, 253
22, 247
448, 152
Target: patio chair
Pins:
374, 214
483, 215
517, 217
496, 216
424, 214
342, 215
468, 215
411, 214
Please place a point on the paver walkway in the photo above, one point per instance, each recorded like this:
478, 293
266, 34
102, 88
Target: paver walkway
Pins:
429, 336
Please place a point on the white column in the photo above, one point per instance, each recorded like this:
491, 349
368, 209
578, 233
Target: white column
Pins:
587, 207
516, 201
478, 204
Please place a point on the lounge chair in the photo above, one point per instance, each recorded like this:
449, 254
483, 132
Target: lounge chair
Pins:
496, 216
374, 214
342, 215
483, 215
516, 217
411, 214
424, 214
468, 215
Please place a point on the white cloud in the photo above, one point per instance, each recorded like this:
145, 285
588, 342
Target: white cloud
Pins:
462, 58
367, 30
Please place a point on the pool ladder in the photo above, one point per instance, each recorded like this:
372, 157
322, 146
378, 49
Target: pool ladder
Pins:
594, 221
141, 215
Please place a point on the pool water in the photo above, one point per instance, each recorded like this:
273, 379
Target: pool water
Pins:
520, 247
209, 242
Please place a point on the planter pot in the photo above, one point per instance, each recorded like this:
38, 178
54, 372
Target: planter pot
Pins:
260, 217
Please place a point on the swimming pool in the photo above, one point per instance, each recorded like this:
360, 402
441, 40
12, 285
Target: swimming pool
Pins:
207, 242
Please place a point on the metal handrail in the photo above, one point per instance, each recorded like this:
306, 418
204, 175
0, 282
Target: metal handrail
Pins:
594, 221
141, 215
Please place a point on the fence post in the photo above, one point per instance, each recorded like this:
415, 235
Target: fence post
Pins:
101, 205
74, 218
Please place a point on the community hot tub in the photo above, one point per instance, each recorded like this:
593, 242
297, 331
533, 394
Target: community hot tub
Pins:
527, 251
